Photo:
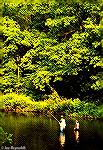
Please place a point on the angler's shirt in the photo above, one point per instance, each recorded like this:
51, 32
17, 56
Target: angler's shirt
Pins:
62, 123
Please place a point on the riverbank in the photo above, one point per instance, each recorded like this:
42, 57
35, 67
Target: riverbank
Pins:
13, 102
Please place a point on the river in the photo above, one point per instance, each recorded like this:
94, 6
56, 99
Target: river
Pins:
41, 132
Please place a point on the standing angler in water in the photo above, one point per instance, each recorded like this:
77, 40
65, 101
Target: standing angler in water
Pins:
76, 125
62, 124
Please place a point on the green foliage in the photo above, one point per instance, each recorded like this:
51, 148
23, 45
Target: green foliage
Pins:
1, 101
90, 108
13, 101
44, 41
5, 138
74, 107
100, 111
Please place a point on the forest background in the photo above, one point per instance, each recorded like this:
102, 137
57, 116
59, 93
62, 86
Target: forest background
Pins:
51, 56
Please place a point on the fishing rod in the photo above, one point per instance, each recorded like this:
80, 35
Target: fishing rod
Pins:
55, 118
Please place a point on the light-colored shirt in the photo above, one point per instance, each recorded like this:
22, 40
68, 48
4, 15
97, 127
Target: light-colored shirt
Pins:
62, 123
77, 125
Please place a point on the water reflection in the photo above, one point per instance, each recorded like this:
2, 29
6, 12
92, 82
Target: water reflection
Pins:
76, 132
62, 139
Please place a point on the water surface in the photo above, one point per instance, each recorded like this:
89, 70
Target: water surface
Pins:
41, 132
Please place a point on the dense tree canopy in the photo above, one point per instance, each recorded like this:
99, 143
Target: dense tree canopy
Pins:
49, 44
